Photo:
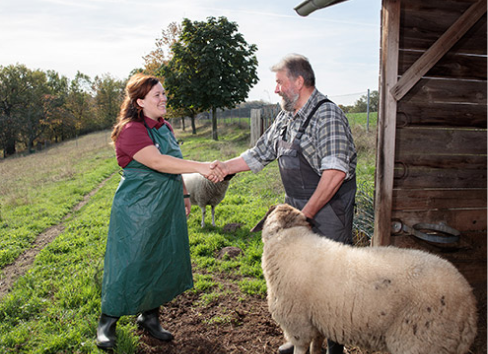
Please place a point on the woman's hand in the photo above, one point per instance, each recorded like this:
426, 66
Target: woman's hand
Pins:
187, 206
213, 172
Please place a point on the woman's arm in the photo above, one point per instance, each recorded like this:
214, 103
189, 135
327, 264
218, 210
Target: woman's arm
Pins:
152, 158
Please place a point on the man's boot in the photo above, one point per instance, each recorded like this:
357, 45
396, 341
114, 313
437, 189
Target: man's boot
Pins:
149, 320
286, 348
106, 332
334, 348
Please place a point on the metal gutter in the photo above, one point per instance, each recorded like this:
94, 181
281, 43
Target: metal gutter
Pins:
309, 6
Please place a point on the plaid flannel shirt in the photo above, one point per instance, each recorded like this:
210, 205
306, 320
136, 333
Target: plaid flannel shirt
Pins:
326, 144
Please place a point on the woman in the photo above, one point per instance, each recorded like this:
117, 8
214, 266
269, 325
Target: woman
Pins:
147, 261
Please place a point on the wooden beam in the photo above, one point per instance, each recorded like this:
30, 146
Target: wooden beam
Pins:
439, 49
385, 159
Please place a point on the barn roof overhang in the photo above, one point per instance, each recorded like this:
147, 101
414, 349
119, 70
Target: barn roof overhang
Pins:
309, 6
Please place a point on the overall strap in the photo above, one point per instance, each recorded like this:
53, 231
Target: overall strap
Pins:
307, 121
149, 130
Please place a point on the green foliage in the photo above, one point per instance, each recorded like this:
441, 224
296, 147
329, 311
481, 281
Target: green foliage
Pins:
361, 105
108, 98
212, 67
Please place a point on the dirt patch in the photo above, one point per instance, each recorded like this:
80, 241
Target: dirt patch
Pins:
232, 324
21, 265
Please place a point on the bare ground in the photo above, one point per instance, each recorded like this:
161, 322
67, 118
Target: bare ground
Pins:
231, 324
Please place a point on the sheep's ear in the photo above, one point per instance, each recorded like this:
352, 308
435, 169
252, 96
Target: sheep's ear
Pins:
292, 217
260, 224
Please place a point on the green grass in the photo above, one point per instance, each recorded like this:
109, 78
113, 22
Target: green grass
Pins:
54, 307
37, 191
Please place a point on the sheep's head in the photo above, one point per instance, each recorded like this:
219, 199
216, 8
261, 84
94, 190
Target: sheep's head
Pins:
280, 217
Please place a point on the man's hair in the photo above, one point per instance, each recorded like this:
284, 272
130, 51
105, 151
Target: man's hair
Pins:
296, 65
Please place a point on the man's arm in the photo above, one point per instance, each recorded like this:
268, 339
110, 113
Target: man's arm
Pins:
235, 165
329, 184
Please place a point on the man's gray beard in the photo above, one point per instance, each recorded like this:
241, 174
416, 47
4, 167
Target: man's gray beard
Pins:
288, 103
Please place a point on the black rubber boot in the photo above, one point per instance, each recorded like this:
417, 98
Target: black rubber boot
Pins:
149, 320
106, 332
334, 348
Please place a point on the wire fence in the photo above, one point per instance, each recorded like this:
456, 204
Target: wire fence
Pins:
268, 112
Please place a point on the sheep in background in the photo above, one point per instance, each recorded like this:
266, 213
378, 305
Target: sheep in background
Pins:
379, 298
203, 192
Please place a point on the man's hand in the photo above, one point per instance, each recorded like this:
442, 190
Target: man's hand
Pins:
218, 171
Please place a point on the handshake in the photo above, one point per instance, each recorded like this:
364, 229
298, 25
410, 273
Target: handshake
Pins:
217, 170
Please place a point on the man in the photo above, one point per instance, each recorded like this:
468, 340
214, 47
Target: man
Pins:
313, 143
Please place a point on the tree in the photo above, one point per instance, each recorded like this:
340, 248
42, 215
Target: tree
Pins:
108, 98
21, 105
162, 54
212, 67
361, 104
32, 116
57, 117
80, 104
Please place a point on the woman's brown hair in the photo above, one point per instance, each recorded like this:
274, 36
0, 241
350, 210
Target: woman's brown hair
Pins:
138, 87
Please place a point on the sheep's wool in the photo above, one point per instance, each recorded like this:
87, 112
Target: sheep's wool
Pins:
379, 298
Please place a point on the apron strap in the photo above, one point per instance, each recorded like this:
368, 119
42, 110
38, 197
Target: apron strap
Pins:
307, 121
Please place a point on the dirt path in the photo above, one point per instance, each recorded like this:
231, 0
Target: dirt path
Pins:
19, 267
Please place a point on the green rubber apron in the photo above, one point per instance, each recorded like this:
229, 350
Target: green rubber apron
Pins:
147, 261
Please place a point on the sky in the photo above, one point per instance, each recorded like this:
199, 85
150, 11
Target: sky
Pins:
111, 37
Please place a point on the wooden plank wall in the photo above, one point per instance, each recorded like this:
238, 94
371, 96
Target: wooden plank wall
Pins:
441, 138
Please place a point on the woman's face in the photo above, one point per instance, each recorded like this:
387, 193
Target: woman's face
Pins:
154, 104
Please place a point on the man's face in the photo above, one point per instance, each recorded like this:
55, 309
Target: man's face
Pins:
288, 91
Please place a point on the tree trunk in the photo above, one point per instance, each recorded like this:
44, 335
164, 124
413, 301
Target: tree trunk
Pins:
183, 123
193, 125
9, 148
215, 135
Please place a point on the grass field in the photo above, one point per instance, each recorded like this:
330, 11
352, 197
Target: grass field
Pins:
55, 306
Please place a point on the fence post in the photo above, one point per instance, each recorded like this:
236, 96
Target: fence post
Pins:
255, 125
367, 116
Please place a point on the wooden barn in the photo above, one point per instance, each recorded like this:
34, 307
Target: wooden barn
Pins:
431, 166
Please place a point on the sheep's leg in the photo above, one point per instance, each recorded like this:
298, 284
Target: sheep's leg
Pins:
316, 346
213, 215
203, 216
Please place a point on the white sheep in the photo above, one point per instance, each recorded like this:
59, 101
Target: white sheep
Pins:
204, 192
403, 301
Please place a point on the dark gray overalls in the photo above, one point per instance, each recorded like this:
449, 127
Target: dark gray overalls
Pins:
300, 180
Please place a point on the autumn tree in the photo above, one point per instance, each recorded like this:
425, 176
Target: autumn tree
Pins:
162, 54
31, 117
21, 91
80, 104
56, 115
109, 94
212, 67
